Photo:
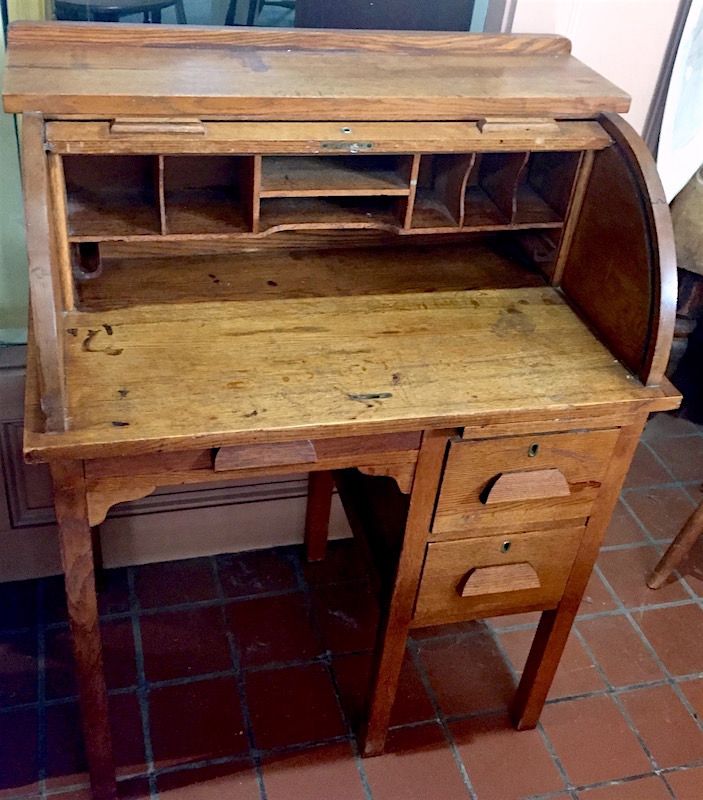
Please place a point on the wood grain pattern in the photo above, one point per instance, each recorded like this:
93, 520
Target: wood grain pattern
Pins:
45, 288
312, 138
581, 459
498, 579
263, 455
328, 371
75, 539
636, 261
536, 484
555, 625
337, 78
451, 566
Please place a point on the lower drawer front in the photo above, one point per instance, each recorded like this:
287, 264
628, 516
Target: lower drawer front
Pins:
471, 578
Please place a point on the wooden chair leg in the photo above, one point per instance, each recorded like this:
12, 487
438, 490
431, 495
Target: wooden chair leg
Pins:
75, 538
678, 549
317, 517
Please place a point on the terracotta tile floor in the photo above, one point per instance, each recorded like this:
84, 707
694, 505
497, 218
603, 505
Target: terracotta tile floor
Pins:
242, 677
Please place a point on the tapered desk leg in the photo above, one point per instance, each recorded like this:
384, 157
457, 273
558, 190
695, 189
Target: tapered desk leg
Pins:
77, 557
555, 625
317, 516
393, 632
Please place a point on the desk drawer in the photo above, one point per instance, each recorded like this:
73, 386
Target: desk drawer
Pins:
520, 482
495, 575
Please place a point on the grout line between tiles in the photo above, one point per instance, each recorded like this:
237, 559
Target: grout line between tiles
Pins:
414, 650
240, 683
358, 762
142, 685
549, 746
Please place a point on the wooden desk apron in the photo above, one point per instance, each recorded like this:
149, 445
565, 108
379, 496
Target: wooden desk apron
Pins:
449, 293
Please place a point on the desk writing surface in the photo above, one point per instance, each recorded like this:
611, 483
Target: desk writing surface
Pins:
150, 377
308, 75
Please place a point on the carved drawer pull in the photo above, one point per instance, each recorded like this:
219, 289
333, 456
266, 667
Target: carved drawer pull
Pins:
134, 126
537, 484
251, 456
502, 578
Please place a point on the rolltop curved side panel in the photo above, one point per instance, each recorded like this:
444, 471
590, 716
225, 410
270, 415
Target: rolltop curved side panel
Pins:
620, 272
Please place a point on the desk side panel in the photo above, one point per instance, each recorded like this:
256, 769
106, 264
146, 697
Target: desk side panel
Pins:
44, 278
620, 273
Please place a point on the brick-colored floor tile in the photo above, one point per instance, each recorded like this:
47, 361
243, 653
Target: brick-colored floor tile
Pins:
664, 424
65, 754
484, 743
352, 673
347, 615
650, 788
257, 571
668, 730
596, 598
683, 456
670, 631
216, 782
686, 784
293, 705
661, 510
577, 674
174, 582
467, 674
693, 690
627, 571
183, 643
196, 721
646, 469
508, 620
118, 658
593, 741
343, 562
417, 765
317, 773
127, 789
18, 668
274, 629
623, 528
619, 650
19, 767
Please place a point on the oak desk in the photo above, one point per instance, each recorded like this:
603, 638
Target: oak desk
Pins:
435, 270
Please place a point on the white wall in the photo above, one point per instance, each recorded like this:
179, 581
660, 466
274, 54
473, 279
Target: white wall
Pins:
624, 40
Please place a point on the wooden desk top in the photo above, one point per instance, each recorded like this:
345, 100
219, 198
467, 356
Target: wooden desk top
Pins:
205, 374
111, 70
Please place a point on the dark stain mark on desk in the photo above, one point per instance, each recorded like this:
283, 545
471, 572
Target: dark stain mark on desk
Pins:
511, 321
72, 331
108, 328
119, 424
109, 351
365, 397
123, 392
395, 378
253, 413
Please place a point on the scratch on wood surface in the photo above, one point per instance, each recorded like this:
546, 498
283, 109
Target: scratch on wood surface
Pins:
366, 396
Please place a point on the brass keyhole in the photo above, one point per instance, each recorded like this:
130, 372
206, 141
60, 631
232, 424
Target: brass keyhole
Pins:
532, 450
505, 547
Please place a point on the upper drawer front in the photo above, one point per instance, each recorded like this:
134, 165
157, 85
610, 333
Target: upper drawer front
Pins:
523, 481
190, 135
470, 578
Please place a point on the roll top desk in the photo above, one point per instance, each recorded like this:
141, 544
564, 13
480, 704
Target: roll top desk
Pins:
434, 270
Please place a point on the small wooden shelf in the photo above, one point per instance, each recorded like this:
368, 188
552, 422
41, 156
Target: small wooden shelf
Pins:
205, 211
323, 212
481, 211
334, 176
430, 212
